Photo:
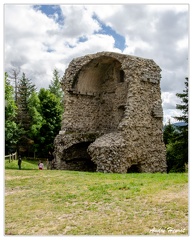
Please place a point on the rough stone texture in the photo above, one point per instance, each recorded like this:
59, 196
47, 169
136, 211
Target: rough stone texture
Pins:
113, 115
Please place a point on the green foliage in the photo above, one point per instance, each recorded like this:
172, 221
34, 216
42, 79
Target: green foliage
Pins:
36, 119
35, 115
25, 89
176, 138
175, 157
32, 120
184, 105
55, 86
11, 128
10, 106
50, 110
176, 150
169, 133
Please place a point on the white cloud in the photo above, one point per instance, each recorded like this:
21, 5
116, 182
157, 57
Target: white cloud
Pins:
95, 43
169, 100
28, 39
169, 115
37, 43
167, 7
182, 43
134, 46
40, 44
78, 22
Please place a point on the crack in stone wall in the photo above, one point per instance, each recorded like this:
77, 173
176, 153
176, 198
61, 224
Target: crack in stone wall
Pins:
112, 104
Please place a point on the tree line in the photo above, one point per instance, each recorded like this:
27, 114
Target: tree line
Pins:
176, 137
32, 118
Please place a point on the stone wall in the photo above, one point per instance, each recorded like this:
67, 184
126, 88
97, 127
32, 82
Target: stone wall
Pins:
113, 115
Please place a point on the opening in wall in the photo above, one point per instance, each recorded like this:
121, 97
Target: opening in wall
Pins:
81, 164
121, 110
122, 76
135, 168
77, 159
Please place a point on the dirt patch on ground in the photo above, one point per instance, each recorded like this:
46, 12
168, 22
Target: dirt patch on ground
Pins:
168, 196
16, 177
15, 190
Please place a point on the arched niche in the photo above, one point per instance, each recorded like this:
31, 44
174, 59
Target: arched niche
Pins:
96, 88
100, 75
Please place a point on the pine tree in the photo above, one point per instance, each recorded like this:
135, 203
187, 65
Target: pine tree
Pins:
184, 105
183, 136
55, 86
25, 89
177, 147
169, 132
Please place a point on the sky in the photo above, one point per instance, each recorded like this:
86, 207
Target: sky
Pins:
39, 38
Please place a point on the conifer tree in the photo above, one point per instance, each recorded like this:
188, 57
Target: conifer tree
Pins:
177, 141
25, 89
168, 134
184, 103
55, 86
183, 130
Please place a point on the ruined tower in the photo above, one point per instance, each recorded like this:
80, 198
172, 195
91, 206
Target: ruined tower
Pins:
113, 115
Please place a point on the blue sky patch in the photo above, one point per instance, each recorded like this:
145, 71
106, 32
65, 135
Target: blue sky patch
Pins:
119, 40
50, 11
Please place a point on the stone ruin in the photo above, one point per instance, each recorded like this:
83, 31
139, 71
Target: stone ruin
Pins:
112, 119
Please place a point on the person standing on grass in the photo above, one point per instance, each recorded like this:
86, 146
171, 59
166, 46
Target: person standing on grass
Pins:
49, 160
41, 165
19, 162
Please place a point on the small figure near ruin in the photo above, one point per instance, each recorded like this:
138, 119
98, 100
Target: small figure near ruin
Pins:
41, 165
19, 162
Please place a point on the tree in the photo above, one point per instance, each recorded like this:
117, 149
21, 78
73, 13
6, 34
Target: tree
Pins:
11, 128
51, 111
175, 157
14, 76
183, 130
169, 132
36, 119
25, 89
184, 105
55, 86
176, 139
35, 115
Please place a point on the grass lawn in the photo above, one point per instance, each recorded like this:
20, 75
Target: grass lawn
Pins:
81, 203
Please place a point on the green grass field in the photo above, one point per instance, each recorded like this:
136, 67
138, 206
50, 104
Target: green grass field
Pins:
52, 202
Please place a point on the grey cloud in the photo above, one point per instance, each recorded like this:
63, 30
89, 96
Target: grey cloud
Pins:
160, 30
